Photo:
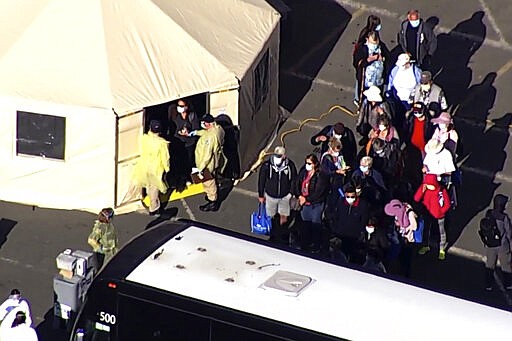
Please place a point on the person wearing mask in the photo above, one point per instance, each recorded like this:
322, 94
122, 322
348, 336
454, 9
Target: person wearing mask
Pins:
405, 223
436, 202
15, 301
372, 109
429, 94
370, 60
372, 182
15, 328
417, 38
503, 251
385, 132
333, 164
275, 180
103, 237
312, 187
342, 134
418, 128
445, 132
376, 246
210, 159
347, 219
402, 81
387, 161
152, 166
186, 121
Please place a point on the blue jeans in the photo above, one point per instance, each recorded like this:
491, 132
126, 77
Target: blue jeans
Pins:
312, 224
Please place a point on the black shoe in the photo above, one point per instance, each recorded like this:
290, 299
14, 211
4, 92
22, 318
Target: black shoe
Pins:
211, 206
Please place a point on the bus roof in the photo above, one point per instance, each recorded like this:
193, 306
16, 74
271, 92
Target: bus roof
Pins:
334, 300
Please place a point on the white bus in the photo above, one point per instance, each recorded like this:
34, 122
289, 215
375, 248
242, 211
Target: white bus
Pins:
188, 281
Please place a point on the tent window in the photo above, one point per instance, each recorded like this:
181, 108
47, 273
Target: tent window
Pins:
40, 135
261, 81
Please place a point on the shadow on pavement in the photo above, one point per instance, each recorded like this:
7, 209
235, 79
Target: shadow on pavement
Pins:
459, 277
6, 225
47, 331
167, 214
311, 30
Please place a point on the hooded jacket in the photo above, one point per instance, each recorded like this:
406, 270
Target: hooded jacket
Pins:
276, 180
209, 154
436, 201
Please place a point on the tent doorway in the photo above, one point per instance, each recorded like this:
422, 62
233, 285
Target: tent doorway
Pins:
181, 150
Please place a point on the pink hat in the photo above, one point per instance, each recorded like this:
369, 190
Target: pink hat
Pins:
444, 117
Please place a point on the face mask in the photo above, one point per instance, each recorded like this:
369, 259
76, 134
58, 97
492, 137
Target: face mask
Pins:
363, 169
382, 127
309, 167
337, 136
442, 126
181, 109
378, 28
370, 229
203, 125
414, 23
278, 160
425, 87
358, 191
335, 154
350, 200
418, 114
372, 47
379, 152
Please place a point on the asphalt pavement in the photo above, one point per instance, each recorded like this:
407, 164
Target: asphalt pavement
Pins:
474, 61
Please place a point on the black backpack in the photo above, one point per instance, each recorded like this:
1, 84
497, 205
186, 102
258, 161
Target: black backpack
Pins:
489, 232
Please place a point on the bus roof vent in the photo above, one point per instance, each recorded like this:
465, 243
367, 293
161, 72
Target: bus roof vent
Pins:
288, 283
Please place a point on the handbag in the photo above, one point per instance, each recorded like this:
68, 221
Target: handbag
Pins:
294, 203
197, 179
261, 223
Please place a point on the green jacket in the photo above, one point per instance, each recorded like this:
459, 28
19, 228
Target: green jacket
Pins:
208, 152
103, 238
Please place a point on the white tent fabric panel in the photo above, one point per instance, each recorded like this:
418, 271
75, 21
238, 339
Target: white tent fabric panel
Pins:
232, 30
121, 54
83, 180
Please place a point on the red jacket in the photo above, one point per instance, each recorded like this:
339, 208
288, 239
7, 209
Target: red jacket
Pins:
431, 198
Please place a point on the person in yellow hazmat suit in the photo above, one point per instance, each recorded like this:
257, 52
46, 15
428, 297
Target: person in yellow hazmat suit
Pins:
152, 165
210, 159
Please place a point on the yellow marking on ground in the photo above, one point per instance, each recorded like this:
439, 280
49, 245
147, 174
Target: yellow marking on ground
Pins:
191, 190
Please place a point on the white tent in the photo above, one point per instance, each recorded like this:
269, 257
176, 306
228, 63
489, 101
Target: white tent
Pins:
76, 74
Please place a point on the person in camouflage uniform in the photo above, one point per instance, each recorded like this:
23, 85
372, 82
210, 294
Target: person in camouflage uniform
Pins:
103, 237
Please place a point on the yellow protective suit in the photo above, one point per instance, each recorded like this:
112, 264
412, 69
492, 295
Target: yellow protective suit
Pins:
152, 163
208, 151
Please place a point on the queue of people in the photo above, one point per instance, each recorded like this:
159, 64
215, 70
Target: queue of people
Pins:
365, 206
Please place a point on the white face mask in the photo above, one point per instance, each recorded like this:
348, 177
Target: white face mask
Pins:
379, 152
370, 229
181, 109
335, 154
337, 136
363, 169
350, 200
442, 126
203, 125
382, 127
309, 167
358, 191
418, 114
378, 27
414, 23
278, 160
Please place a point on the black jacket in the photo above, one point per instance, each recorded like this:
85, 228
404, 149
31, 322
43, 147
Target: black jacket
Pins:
276, 181
348, 220
428, 128
377, 242
348, 143
426, 40
360, 60
318, 186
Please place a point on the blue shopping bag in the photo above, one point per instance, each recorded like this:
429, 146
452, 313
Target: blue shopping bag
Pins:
418, 234
261, 223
